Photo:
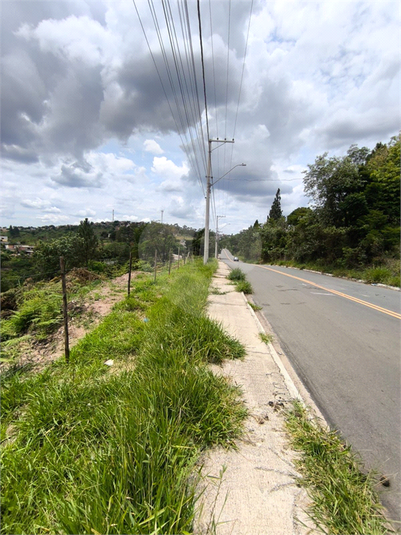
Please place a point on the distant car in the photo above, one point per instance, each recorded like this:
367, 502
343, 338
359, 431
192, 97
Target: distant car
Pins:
236, 259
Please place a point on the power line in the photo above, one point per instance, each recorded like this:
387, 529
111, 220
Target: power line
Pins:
203, 68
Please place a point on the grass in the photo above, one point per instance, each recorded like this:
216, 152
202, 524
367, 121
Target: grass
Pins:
244, 286
239, 278
254, 307
387, 272
266, 338
96, 449
343, 497
236, 275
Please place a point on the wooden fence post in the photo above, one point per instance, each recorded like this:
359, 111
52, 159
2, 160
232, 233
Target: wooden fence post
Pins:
65, 311
169, 261
129, 273
178, 267
155, 263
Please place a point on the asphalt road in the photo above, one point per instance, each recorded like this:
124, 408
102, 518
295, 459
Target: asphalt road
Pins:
343, 340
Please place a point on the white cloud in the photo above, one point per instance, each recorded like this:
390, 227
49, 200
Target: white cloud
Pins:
35, 203
85, 213
150, 145
168, 169
54, 219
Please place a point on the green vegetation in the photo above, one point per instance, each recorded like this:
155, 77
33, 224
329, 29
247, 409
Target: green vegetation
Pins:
254, 307
236, 275
241, 284
89, 448
101, 247
34, 311
244, 286
353, 227
343, 497
266, 338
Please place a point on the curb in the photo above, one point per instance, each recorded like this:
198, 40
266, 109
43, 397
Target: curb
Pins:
292, 389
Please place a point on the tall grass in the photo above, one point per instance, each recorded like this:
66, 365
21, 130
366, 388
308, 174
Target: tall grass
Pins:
241, 284
386, 272
114, 450
343, 497
236, 274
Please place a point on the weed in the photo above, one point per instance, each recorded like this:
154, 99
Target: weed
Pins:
343, 498
39, 312
266, 338
254, 307
236, 275
244, 286
216, 291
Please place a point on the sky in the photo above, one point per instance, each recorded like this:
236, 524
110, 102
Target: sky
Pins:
93, 114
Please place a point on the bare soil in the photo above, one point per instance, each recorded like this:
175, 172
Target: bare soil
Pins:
86, 315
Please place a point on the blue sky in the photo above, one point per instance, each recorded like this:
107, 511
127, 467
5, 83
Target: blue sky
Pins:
87, 129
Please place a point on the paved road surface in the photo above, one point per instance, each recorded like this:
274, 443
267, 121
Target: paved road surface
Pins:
343, 339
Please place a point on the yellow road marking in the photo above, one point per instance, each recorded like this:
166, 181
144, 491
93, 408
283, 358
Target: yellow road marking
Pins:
355, 299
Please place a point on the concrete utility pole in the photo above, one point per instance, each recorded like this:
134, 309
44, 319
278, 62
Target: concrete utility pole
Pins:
161, 219
208, 188
216, 245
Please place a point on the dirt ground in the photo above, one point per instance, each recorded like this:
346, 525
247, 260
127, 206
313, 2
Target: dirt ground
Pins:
96, 305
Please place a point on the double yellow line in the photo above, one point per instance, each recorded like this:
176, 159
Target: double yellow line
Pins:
355, 299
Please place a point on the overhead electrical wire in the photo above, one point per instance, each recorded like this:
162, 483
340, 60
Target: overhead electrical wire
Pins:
183, 81
182, 127
185, 77
203, 69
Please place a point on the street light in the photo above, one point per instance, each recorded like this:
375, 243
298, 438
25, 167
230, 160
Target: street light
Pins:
209, 187
238, 165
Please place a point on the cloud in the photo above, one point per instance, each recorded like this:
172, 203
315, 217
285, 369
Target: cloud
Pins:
84, 119
85, 213
150, 145
78, 176
168, 169
35, 203
54, 219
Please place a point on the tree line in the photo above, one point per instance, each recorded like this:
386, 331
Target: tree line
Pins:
100, 247
353, 219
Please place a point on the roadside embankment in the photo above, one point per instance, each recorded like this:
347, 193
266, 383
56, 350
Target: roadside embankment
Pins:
96, 448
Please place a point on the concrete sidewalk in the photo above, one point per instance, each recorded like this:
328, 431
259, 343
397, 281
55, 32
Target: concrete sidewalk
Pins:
252, 491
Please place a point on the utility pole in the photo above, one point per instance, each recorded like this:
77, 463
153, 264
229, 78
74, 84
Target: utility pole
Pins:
161, 218
216, 248
65, 311
208, 188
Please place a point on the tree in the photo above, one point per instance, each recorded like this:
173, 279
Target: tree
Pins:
383, 190
197, 242
13, 232
90, 241
276, 212
295, 216
330, 180
47, 254
157, 236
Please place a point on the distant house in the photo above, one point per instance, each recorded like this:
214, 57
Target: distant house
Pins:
3, 239
29, 249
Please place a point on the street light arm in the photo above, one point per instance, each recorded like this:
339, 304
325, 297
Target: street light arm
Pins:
238, 165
